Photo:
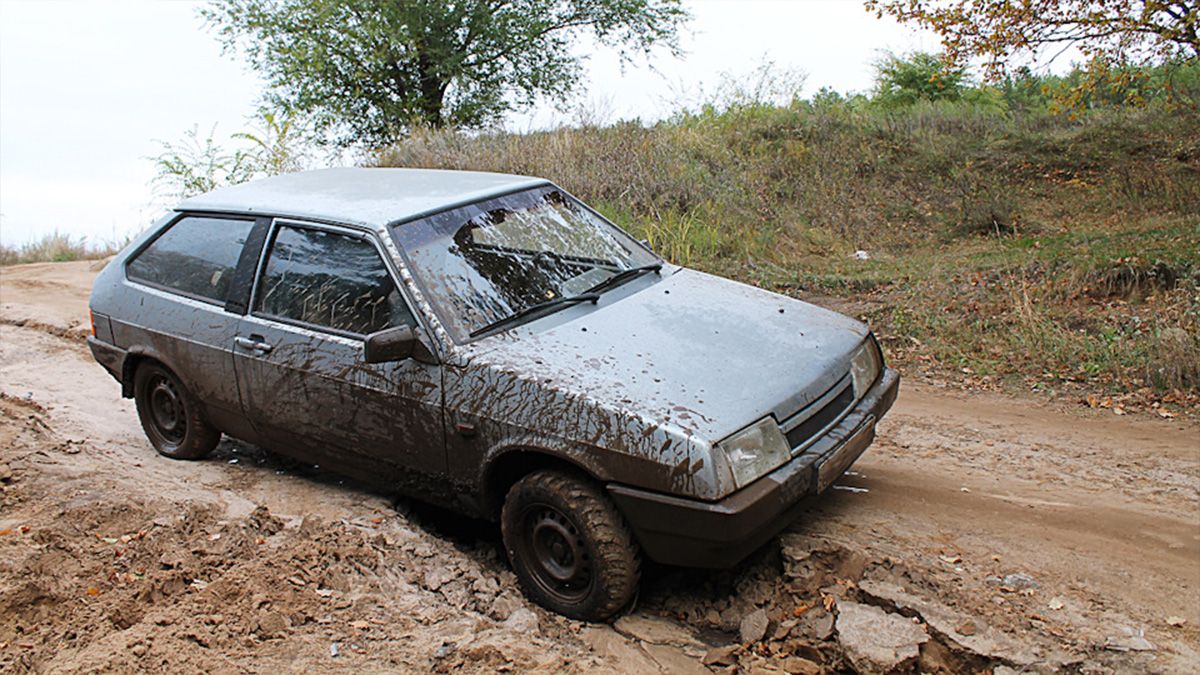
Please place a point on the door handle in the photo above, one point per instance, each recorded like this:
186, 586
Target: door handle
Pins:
253, 344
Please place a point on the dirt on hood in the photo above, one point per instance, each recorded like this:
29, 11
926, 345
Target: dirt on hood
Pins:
979, 534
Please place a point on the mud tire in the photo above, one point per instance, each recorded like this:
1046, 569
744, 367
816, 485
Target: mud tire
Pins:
553, 508
171, 415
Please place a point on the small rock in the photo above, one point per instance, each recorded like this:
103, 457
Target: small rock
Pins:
1018, 581
522, 621
271, 625
486, 585
1056, 603
966, 628
713, 617
503, 606
753, 626
653, 629
1176, 621
800, 666
334, 650
721, 656
139, 650
1129, 641
876, 641
6, 473
438, 577
817, 624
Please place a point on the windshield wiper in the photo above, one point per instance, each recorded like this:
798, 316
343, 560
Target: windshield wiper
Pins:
623, 276
535, 309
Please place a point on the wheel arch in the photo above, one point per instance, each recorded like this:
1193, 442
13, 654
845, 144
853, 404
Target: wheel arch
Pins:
508, 466
134, 359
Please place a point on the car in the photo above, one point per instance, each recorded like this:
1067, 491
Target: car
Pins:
490, 344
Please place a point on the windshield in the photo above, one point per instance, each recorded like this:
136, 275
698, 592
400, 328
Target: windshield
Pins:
486, 262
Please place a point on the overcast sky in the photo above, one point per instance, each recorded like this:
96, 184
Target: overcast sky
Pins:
88, 86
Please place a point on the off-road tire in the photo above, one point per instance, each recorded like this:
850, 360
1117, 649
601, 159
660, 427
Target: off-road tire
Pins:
171, 416
545, 504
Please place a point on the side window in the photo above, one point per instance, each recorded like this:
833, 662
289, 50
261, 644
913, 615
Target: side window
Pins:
197, 256
330, 280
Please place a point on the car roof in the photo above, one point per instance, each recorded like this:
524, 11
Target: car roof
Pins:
362, 196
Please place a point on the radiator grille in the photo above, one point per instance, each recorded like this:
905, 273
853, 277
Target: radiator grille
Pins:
832, 410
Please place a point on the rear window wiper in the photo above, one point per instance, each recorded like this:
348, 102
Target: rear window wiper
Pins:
531, 310
623, 276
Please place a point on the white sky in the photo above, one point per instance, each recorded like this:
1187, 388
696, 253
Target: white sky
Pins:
87, 87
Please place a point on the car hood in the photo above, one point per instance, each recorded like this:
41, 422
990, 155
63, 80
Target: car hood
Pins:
690, 350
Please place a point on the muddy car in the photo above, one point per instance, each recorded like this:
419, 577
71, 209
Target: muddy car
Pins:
492, 345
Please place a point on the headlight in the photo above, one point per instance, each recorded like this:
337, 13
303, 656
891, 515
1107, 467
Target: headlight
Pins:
865, 365
755, 450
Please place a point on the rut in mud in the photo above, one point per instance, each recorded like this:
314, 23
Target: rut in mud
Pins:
979, 533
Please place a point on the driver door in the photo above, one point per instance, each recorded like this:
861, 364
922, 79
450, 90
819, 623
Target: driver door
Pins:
304, 385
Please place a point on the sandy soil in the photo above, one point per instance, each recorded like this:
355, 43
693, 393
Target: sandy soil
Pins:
980, 533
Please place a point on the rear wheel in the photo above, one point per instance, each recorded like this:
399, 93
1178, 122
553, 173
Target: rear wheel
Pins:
569, 546
170, 415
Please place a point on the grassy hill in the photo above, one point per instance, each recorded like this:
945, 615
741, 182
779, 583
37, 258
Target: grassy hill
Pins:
1031, 249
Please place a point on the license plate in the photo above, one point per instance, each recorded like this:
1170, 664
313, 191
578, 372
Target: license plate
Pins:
836, 464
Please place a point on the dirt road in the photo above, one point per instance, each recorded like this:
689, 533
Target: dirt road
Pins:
979, 533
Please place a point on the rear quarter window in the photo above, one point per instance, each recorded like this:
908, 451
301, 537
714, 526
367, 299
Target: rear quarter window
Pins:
196, 256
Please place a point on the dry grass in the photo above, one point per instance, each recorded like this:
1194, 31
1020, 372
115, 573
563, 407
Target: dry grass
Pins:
56, 247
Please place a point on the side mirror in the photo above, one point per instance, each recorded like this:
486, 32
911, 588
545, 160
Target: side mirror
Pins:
393, 344
397, 344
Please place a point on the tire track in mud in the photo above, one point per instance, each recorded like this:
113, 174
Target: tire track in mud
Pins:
186, 581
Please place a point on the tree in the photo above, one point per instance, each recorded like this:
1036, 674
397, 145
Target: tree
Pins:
1107, 32
369, 70
276, 143
904, 80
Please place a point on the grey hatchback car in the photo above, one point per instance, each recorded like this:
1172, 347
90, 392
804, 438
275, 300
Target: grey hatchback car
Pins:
490, 344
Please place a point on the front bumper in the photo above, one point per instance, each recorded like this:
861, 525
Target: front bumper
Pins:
693, 533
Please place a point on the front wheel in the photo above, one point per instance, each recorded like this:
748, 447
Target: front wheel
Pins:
170, 415
569, 546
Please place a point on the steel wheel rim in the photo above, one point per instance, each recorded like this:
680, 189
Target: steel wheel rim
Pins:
556, 553
167, 411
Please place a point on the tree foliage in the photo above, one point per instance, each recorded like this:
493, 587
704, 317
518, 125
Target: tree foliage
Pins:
276, 143
368, 70
919, 76
1107, 32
